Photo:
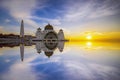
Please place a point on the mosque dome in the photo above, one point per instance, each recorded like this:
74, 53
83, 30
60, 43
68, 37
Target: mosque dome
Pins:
39, 29
61, 30
39, 51
48, 27
48, 54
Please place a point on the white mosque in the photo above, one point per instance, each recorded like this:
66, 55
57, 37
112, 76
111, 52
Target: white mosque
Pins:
48, 34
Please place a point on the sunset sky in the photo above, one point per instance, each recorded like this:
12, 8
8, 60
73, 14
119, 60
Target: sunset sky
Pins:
76, 17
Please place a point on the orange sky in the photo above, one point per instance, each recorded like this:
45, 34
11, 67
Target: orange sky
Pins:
94, 36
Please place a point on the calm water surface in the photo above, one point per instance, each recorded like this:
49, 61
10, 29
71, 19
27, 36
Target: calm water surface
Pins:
78, 61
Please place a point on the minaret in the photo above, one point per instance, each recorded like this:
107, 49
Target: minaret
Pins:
22, 29
61, 35
39, 34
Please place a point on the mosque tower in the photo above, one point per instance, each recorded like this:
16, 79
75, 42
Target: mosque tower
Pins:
22, 29
39, 34
61, 35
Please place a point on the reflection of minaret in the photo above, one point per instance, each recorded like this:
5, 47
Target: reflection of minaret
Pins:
61, 46
22, 51
39, 47
22, 29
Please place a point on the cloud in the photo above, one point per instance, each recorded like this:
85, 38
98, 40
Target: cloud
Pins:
84, 70
22, 9
90, 9
82, 15
55, 21
91, 71
18, 71
21, 70
107, 8
19, 8
71, 13
7, 20
45, 61
1, 28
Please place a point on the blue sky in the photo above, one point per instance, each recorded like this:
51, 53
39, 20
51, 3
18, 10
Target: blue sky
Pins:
70, 15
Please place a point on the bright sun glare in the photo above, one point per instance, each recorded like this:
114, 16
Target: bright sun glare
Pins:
88, 37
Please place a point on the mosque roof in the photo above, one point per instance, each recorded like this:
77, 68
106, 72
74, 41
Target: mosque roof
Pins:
48, 27
39, 29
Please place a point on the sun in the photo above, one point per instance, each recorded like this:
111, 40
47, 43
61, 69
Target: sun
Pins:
89, 37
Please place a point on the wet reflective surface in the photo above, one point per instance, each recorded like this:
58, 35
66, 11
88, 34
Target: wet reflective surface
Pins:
60, 61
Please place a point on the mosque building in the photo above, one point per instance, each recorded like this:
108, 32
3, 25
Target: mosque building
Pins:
49, 34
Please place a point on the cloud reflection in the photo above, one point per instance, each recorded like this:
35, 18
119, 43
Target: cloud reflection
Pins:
71, 65
74, 70
18, 71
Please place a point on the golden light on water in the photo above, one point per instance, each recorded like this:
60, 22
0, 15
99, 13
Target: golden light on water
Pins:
89, 37
88, 44
94, 45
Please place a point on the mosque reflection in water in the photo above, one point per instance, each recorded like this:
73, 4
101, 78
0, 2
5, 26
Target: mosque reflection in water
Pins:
47, 47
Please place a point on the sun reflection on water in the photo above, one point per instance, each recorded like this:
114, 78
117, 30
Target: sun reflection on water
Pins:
93, 45
89, 44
